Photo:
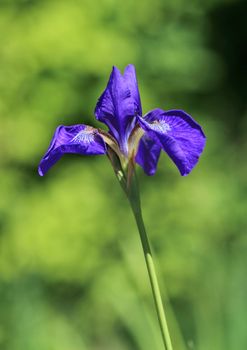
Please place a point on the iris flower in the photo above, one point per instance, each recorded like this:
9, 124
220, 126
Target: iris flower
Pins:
132, 137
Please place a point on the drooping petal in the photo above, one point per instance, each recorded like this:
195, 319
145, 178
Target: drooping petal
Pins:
178, 134
148, 154
80, 139
119, 104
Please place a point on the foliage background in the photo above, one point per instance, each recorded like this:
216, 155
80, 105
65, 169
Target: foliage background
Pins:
72, 274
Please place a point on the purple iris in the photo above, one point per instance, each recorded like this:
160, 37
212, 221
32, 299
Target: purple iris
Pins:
131, 136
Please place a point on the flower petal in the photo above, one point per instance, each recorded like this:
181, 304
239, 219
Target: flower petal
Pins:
148, 154
130, 77
178, 134
119, 104
80, 139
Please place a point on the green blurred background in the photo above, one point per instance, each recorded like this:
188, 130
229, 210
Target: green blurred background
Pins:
72, 273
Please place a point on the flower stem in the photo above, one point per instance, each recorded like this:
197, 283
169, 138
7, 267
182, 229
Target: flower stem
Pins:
129, 183
136, 207
134, 199
153, 281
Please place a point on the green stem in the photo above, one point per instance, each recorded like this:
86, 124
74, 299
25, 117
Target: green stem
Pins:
128, 181
134, 199
153, 281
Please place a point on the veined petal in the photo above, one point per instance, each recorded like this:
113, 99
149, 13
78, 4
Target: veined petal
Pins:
178, 134
148, 154
80, 139
119, 104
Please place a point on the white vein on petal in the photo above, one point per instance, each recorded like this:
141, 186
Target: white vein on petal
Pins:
161, 126
84, 136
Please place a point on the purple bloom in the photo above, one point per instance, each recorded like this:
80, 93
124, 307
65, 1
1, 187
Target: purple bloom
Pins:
131, 136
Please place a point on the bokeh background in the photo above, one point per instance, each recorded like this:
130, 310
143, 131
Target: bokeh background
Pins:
72, 273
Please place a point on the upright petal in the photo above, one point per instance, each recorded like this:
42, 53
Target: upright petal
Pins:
119, 104
177, 134
148, 154
80, 139
130, 77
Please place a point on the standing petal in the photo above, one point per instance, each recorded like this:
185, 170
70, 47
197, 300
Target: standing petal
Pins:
178, 135
80, 139
148, 154
130, 77
119, 104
